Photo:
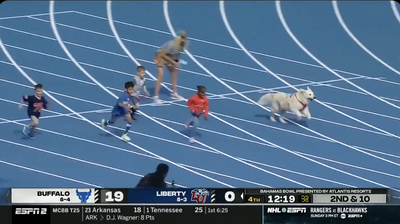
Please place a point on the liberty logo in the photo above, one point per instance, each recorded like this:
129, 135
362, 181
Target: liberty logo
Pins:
200, 195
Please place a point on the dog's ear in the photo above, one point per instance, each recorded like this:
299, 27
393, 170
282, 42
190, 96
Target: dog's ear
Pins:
308, 88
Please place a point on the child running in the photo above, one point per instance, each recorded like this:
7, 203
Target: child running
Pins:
139, 84
36, 103
197, 104
122, 109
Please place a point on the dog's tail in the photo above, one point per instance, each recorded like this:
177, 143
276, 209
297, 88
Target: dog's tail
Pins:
266, 99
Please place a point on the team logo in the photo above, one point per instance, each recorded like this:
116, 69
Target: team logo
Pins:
38, 107
200, 195
83, 195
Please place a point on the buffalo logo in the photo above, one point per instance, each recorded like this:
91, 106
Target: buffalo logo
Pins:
200, 195
83, 195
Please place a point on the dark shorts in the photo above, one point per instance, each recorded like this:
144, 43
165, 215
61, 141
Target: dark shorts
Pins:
30, 114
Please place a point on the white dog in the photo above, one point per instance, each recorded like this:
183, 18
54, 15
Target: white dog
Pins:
282, 102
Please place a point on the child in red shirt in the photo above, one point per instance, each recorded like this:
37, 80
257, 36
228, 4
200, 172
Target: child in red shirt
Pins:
197, 104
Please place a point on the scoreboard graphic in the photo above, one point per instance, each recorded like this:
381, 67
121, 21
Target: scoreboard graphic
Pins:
200, 195
200, 205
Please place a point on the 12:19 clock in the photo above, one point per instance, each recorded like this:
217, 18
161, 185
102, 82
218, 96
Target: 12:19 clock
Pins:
277, 198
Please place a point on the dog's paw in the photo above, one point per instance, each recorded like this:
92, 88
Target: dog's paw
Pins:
282, 120
309, 117
273, 119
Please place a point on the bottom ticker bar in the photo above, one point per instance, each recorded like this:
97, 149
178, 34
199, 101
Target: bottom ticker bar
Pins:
202, 213
138, 214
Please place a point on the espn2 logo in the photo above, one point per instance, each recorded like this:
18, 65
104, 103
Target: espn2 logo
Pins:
29, 211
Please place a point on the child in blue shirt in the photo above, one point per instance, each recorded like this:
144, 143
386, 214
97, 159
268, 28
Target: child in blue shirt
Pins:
123, 109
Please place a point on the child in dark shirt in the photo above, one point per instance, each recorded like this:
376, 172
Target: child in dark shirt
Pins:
36, 103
